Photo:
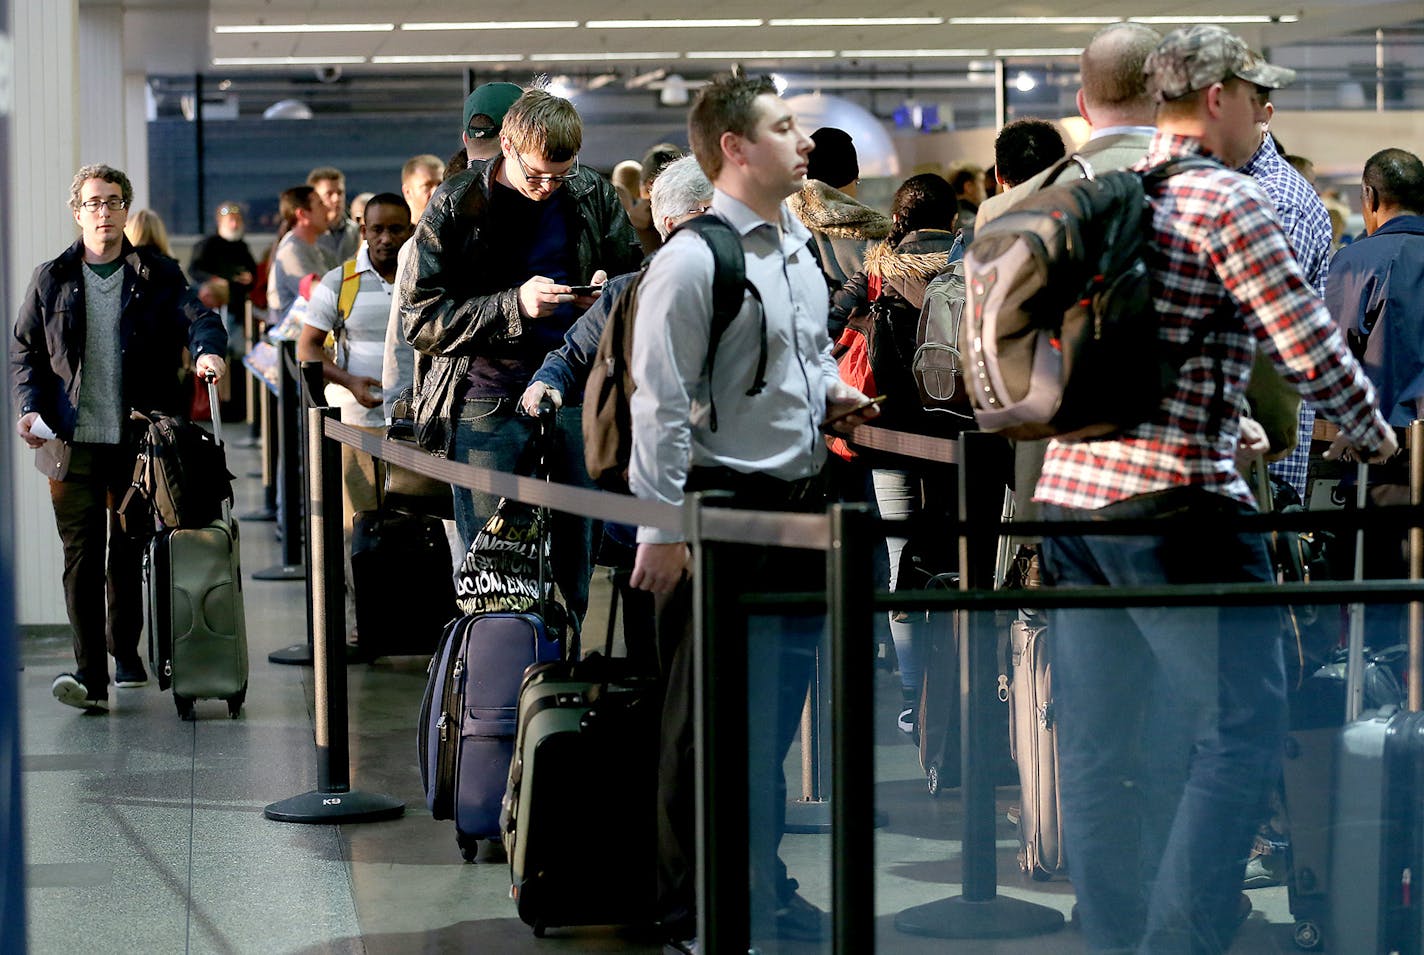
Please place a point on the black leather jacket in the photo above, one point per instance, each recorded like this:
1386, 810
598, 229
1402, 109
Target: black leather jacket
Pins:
452, 305
159, 315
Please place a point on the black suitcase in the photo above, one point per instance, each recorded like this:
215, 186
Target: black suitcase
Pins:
586, 749
402, 582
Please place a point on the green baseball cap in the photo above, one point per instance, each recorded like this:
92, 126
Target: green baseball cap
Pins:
1197, 56
492, 100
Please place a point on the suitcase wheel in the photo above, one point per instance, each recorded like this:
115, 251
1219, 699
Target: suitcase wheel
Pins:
932, 780
234, 702
538, 929
469, 847
1307, 935
185, 708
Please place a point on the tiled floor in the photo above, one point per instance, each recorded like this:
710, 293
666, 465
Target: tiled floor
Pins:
146, 834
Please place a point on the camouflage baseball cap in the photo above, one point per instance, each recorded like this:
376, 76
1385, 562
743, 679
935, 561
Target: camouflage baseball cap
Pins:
1195, 57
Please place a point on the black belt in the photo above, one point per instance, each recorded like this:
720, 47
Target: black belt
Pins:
760, 491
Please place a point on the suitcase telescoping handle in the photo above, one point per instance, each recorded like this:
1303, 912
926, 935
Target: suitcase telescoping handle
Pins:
1355, 649
212, 381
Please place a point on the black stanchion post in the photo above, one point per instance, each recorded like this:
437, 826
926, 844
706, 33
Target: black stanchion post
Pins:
849, 590
289, 503
333, 801
266, 428
1416, 566
985, 466
720, 741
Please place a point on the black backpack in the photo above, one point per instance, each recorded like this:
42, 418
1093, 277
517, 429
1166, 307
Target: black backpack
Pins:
607, 421
180, 478
1061, 337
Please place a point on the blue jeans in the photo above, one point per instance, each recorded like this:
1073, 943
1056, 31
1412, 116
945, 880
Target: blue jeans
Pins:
1170, 725
491, 433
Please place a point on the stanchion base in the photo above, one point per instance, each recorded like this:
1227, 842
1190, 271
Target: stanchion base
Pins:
300, 654
329, 808
999, 917
258, 517
813, 817
281, 572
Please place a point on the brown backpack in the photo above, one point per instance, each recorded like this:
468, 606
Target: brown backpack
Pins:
607, 420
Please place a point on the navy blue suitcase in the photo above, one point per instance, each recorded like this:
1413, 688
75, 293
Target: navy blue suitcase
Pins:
468, 718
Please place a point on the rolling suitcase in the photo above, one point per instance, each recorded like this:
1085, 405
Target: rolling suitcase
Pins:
594, 721
469, 718
1035, 750
397, 553
196, 622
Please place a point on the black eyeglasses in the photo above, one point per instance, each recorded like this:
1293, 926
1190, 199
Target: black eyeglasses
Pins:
546, 180
113, 202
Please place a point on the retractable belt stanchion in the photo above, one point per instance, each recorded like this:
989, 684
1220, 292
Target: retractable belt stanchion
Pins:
849, 592
251, 386
333, 801
1416, 567
720, 747
986, 461
289, 503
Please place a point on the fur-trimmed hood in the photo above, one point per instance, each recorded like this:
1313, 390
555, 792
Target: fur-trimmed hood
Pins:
908, 268
833, 213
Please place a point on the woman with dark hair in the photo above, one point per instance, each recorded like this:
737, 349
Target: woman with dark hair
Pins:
890, 292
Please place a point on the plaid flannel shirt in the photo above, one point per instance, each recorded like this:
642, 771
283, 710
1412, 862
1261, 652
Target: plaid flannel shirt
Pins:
1307, 227
1216, 250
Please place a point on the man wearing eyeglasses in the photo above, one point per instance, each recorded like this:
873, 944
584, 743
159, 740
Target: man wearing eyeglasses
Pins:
100, 333
497, 254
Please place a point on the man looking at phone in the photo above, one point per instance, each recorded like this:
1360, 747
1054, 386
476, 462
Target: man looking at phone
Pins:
497, 254
765, 449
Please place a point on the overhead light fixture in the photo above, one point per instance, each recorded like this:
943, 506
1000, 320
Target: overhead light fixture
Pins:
855, 21
1025, 83
1040, 51
598, 57
1218, 18
1033, 21
287, 60
450, 58
661, 24
674, 91
304, 28
287, 109
761, 55
494, 25
601, 80
910, 54
780, 82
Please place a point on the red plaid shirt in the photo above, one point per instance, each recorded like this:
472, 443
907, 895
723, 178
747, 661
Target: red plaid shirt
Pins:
1216, 247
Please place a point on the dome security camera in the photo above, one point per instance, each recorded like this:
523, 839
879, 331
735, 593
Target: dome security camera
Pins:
328, 74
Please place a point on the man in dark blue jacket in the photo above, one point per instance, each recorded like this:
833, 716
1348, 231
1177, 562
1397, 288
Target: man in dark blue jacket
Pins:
101, 333
1376, 286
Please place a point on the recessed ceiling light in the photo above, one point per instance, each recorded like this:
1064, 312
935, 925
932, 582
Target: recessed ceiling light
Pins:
761, 55
599, 57
855, 21
495, 25
304, 27
287, 60
1214, 18
1032, 21
898, 54
1040, 51
660, 24
451, 58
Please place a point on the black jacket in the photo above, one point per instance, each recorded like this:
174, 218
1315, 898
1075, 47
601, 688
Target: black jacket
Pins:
159, 316
452, 304
904, 272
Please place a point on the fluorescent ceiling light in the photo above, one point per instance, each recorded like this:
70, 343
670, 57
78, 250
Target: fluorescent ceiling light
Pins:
659, 24
855, 22
600, 57
1040, 51
304, 28
907, 54
495, 25
451, 58
1036, 21
287, 60
1217, 18
761, 55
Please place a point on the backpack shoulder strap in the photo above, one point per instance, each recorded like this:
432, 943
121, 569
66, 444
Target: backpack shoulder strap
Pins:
1154, 177
350, 285
729, 286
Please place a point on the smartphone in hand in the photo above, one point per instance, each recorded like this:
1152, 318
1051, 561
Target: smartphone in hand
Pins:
581, 290
841, 416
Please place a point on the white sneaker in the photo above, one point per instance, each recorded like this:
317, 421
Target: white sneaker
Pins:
69, 691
